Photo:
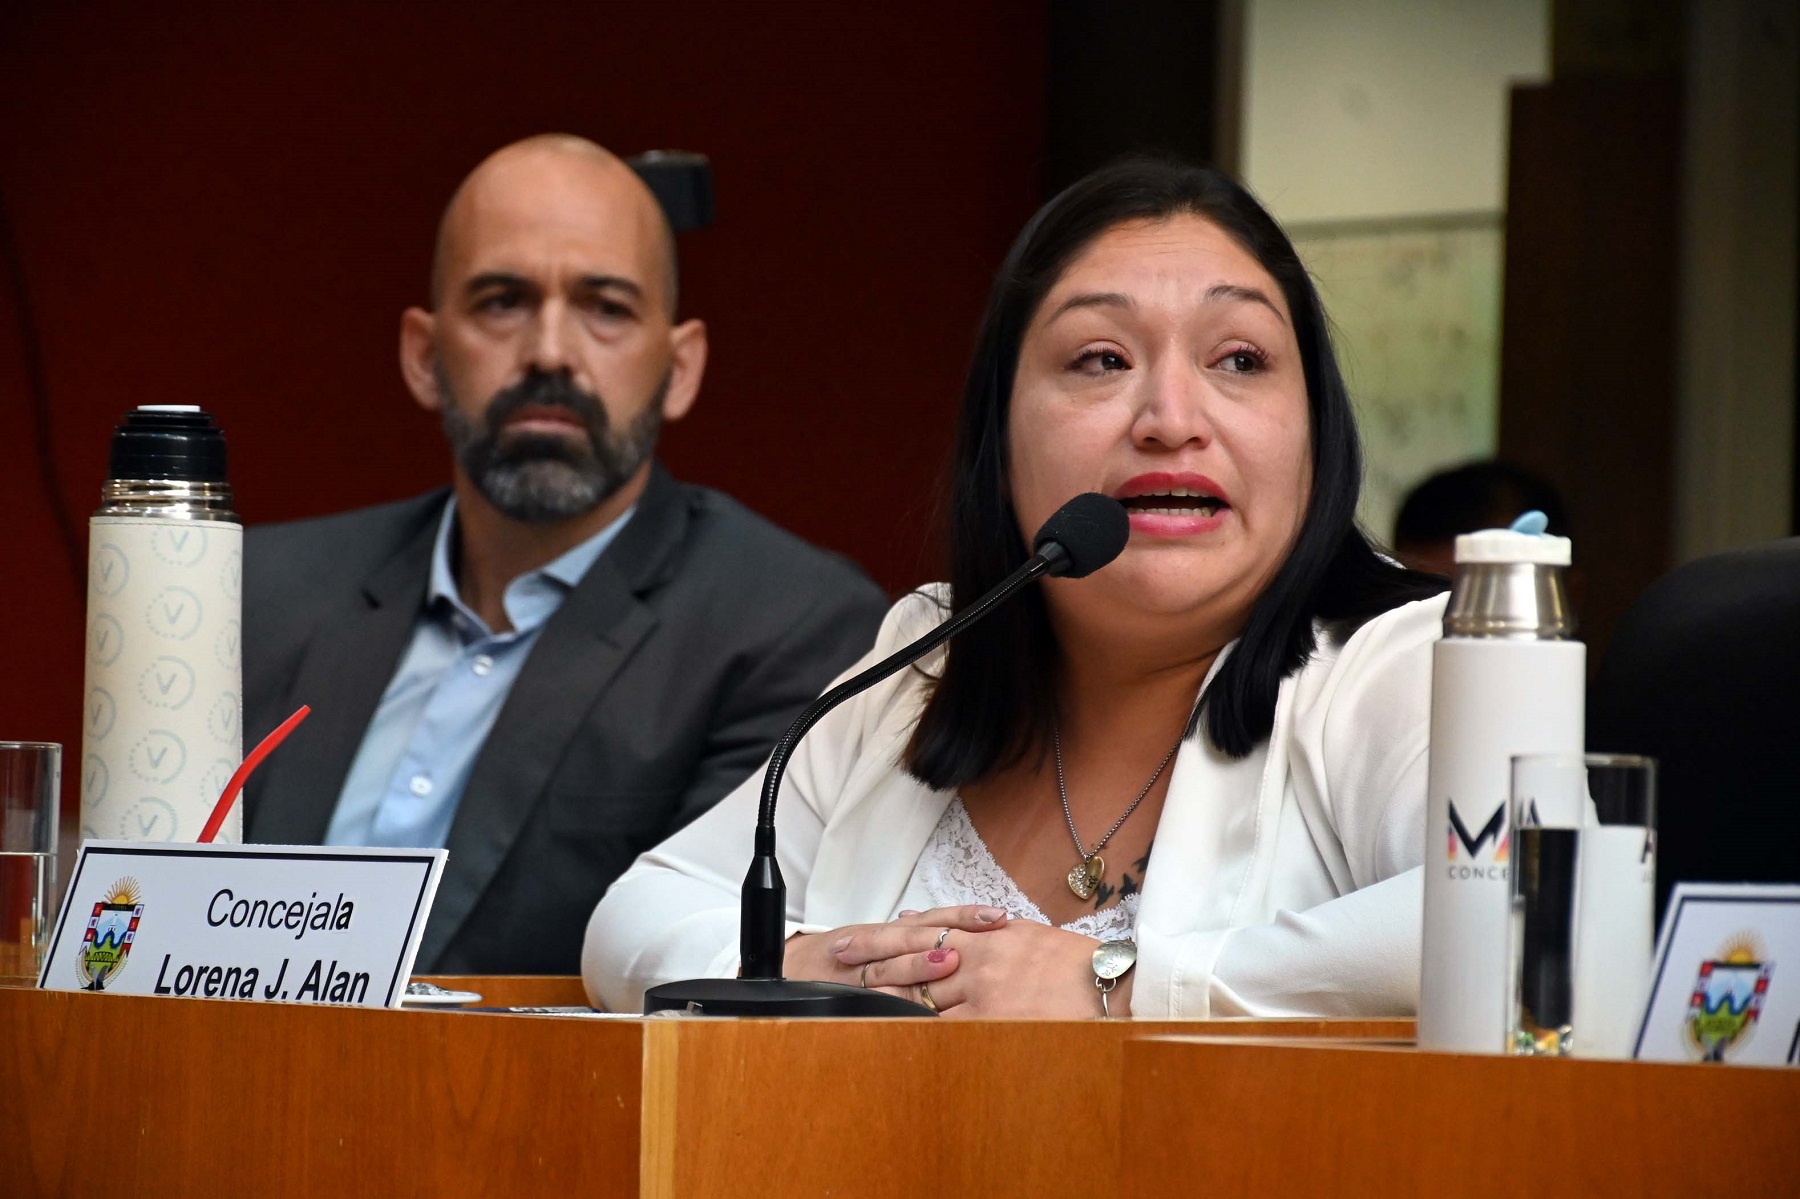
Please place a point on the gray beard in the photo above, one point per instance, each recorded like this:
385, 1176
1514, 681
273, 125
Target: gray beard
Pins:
541, 480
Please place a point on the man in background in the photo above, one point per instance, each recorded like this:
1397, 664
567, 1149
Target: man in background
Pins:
567, 655
1476, 495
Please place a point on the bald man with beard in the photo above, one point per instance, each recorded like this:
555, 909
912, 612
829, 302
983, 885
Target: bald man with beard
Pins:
566, 655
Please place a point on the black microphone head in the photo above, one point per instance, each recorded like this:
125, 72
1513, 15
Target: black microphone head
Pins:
1091, 531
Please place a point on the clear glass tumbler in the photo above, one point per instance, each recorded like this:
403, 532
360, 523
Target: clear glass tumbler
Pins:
1583, 865
30, 788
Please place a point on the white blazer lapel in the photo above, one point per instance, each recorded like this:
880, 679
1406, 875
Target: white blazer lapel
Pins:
1205, 841
1215, 842
869, 849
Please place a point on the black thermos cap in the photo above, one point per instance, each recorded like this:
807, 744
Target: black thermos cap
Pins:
168, 443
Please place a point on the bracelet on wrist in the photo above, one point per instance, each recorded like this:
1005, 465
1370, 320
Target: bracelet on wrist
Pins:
1112, 960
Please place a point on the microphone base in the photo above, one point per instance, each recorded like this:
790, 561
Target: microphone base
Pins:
786, 998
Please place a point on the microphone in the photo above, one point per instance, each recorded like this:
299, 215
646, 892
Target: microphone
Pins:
1082, 536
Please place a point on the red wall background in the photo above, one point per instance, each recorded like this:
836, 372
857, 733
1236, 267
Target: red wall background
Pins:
230, 204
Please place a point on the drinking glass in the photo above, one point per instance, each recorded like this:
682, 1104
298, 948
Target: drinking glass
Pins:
1583, 850
30, 787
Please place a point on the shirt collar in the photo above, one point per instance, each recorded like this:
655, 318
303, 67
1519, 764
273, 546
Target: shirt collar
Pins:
561, 574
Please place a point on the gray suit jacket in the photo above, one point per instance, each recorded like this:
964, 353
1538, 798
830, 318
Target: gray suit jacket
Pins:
657, 687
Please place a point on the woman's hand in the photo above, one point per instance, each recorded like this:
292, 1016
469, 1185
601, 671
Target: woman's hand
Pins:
895, 957
1025, 969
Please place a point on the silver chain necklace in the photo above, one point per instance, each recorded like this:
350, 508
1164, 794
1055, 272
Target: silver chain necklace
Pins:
1085, 875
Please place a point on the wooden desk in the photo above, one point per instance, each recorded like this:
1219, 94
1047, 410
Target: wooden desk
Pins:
1259, 1117
110, 1095
516, 990
123, 1095
902, 1108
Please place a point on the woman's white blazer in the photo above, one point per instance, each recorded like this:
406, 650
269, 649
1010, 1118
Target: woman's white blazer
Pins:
1286, 883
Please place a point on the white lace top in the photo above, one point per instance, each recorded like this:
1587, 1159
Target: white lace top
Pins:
957, 868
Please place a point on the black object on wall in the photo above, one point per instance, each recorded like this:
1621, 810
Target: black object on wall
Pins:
682, 183
1130, 76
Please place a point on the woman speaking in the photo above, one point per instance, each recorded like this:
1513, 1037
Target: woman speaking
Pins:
1190, 784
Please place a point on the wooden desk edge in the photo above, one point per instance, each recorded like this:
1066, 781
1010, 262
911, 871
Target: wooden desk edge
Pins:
1379, 1044
515, 990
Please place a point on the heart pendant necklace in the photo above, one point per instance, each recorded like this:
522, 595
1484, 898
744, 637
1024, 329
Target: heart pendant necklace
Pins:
1084, 877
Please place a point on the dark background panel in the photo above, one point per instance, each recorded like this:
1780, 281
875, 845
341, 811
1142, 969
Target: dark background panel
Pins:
1587, 356
230, 205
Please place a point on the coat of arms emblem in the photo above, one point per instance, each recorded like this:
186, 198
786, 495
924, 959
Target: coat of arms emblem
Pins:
1728, 998
110, 932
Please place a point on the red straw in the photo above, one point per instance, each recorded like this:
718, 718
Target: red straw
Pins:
267, 747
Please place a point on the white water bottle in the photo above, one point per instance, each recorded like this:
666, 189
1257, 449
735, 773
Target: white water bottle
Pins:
1507, 679
160, 726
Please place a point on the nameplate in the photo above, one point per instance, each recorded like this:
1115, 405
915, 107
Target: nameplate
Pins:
272, 923
1727, 980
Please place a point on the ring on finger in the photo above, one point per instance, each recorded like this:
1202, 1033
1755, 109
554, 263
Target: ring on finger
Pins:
863, 979
925, 996
940, 940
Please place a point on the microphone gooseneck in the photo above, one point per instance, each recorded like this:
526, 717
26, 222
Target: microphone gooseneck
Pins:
1084, 534
762, 938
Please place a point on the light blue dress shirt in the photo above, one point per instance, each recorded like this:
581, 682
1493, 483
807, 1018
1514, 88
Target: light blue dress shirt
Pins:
415, 758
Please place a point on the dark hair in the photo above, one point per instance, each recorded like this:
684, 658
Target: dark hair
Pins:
1476, 495
996, 700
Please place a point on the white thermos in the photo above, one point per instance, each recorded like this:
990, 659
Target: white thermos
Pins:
1507, 679
161, 731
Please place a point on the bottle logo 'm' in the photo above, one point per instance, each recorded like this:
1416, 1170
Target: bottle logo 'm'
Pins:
1459, 835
